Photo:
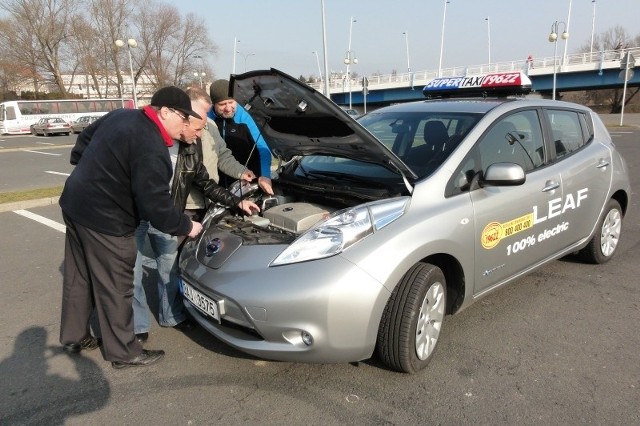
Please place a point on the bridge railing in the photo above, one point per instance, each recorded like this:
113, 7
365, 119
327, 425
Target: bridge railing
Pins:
533, 66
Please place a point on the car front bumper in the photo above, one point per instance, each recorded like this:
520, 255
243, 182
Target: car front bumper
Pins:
264, 311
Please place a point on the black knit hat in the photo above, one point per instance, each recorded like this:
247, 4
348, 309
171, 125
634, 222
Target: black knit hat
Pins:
219, 91
173, 97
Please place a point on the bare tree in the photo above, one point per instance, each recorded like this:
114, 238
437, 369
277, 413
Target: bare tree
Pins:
21, 62
111, 20
157, 26
190, 44
170, 48
43, 28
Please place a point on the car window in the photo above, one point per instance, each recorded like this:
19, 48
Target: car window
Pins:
566, 130
11, 113
516, 138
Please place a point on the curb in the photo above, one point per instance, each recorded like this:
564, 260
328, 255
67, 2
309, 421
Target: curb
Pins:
27, 204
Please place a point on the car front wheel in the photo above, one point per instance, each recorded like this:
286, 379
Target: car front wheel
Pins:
604, 243
412, 320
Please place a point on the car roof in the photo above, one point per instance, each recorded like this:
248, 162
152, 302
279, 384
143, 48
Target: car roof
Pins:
477, 105
481, 106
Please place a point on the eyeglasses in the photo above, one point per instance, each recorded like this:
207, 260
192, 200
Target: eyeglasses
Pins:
184, 118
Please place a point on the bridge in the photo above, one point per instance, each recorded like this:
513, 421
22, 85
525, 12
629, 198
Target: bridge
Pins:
582, 71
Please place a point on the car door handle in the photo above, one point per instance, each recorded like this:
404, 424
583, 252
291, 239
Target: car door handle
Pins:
550, 186
602, 163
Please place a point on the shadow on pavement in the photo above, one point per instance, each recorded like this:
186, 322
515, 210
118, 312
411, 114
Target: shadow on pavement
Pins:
44, 385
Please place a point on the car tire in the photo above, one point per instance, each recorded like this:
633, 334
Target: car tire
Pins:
33, 132
412, 319
604, 243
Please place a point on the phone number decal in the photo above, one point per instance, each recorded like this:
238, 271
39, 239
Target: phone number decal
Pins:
495, 231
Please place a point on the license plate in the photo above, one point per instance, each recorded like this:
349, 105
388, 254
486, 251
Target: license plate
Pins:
200, 301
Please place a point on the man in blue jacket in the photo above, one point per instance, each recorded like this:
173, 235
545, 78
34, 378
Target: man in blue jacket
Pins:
241, 135
121, 177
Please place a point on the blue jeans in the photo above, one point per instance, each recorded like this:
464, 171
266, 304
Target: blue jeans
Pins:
171, 310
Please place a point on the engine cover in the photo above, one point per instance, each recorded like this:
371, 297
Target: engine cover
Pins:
295, 217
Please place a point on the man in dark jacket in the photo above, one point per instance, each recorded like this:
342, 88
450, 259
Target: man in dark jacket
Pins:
189, 171
122, 176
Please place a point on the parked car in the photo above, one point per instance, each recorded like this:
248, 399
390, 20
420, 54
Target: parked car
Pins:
379, 227
50, 126
82, 122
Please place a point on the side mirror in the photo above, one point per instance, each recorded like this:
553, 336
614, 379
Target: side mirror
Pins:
504, 174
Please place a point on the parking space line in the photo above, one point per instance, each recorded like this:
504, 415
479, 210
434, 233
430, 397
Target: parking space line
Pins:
57, 173
45, 153
41, 219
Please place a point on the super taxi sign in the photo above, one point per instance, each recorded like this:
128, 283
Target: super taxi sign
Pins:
497, 84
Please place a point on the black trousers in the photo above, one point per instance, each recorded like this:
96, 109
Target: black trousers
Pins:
98, 273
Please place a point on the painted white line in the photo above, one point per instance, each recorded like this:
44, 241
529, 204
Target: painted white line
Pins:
45, 153
45, 143
41, 219
57, 173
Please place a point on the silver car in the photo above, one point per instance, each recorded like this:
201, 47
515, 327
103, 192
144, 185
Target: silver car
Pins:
50, 126
382, 226
82, 123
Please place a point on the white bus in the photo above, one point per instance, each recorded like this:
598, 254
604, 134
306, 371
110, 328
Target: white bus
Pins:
17, 116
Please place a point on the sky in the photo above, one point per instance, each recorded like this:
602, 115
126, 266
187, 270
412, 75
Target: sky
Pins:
283, 34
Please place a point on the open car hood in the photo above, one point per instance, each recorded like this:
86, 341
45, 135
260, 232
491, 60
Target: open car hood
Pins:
295, 119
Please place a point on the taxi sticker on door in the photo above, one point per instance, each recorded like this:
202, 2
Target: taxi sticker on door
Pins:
495, 231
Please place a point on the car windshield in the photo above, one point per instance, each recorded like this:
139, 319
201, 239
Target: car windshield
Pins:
422, 140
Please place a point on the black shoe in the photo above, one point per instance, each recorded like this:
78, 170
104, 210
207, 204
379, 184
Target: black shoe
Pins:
186, 325
145, 358
87, 344
142, 337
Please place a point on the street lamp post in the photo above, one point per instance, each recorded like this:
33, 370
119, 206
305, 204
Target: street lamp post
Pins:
566, 44
444, 16
350, 58
245, 56
489, 38
553, 38
324, 48
593, 28
130, 43
199, 75
406, 42
235, 50
319, 70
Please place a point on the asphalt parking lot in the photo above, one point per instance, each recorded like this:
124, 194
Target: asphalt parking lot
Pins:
560, 346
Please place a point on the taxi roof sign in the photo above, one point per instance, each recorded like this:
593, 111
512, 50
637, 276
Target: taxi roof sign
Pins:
495, 84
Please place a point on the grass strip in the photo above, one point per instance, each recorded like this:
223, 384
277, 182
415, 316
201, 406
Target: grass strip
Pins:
31, 194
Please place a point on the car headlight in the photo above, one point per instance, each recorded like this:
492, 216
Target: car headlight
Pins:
341, 230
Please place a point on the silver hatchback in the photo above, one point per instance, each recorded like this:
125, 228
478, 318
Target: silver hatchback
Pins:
380, 227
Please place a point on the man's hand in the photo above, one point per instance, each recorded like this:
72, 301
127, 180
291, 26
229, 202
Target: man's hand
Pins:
248, 175
248, 207
265, 184
196, 228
